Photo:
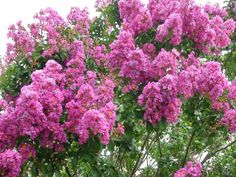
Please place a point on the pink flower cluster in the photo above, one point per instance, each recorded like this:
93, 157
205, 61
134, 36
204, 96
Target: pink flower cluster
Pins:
229, 120
174, 25
26, 151
80, 23
150, 50
204, 25
51, 28
61, 99
215, 10
100, 4
212, 81
164, 63
190, 170
136, 17
178, 19
10, 163
120, 49
206, 79
23, 42
136, 67
175, 20
160, 100
232, 91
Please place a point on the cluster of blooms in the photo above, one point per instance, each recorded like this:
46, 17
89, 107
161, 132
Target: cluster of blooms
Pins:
212, 81
68, 98
99, 54
120, 129
62, 98
80, 22
190, 170
232, 91
136, 67
100, 4
160, 99
23, 42
120, 48
50, 27
173, 24
135, 16
178, 19
215, 10
10, 163
164, 63
190, 78
229, 120
140, 66
26, 151
204, 25
150, 50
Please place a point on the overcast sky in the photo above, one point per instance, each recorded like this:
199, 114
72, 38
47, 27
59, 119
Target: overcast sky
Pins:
12, 11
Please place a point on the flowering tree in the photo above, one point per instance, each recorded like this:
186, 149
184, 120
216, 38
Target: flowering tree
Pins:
137, 91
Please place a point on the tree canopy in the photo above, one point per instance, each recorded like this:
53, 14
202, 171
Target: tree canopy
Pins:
140, 90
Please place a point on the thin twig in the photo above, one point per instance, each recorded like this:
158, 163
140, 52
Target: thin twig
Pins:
210, 155
140, 155
187, 149
159, 148
68, 172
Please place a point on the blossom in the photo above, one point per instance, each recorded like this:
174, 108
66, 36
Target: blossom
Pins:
229, 120
136, 67
174, 25
95, 121
149, 49
136, 17
120, 48
212, 81
10, 163
188, 81
164, 63
190, 170
161, 101
232, 90
26, 151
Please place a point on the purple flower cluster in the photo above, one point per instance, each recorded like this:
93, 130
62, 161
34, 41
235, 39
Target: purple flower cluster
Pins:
26, 151
212, 81
61, 99
136, 67
206, 79
232, 91
164, 63
49, 27
120, 49
160, 99
190, 170
205, 26
182, 76
10, 163
136, 17
229, 120
23, 42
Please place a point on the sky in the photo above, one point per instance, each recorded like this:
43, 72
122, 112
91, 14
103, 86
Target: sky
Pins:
12, 11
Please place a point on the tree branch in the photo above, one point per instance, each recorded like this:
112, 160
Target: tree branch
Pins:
140, 155
187, 150
68, 171
210, 155
159, 148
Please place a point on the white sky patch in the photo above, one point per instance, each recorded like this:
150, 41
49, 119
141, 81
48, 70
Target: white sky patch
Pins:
12, 11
